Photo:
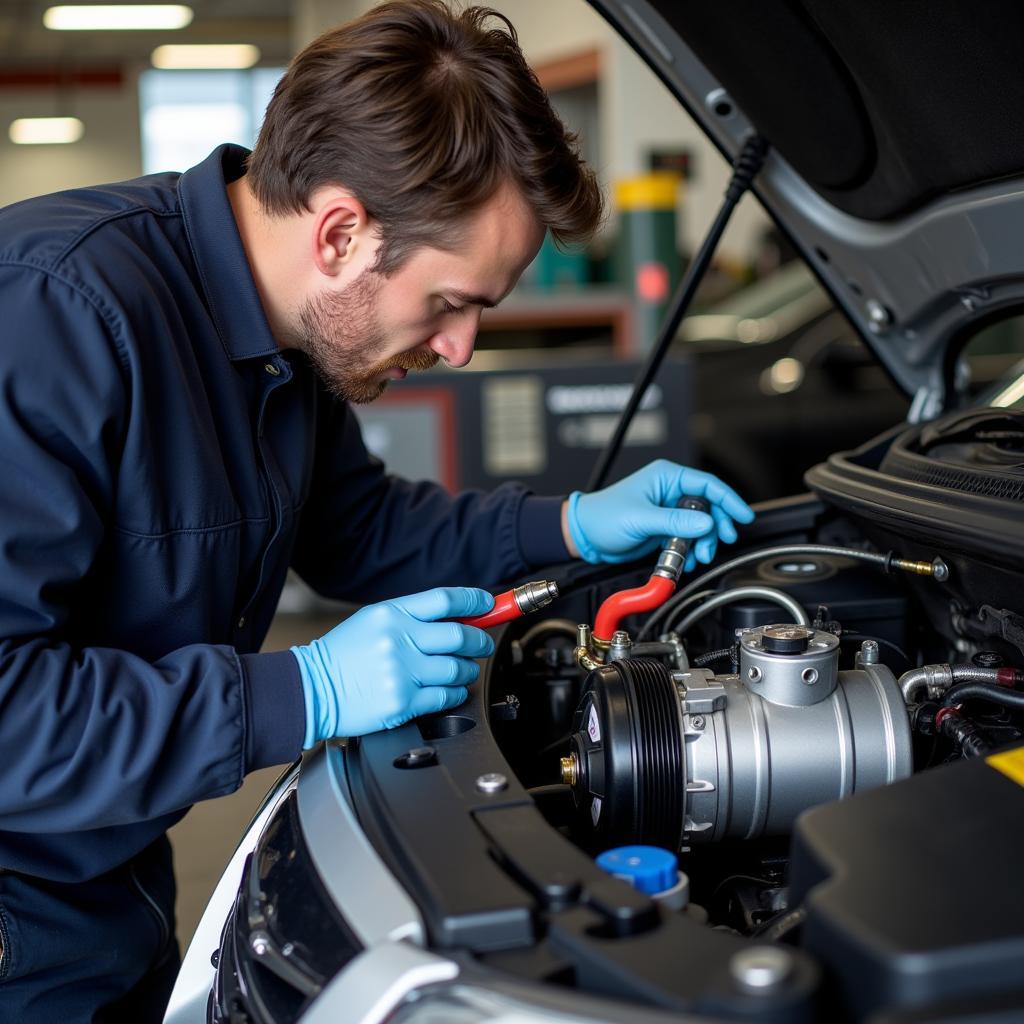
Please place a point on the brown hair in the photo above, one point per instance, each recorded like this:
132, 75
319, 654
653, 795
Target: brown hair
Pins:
423, 113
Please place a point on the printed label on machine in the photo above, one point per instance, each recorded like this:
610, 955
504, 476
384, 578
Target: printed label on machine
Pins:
593, 726
595, 810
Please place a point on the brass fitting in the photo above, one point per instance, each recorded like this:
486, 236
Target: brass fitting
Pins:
587, 653
570, 770
936, 568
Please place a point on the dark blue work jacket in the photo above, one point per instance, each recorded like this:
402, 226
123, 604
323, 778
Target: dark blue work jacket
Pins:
162, 464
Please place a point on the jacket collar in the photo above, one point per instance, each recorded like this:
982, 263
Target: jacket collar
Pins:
220, 257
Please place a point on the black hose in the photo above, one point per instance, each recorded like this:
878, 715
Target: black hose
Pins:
747, 164
711, 657
555, 789
780, 926
966, 736
984, 691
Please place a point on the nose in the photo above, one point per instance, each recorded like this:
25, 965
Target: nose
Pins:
454, 344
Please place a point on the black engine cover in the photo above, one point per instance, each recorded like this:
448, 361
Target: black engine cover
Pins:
913, 892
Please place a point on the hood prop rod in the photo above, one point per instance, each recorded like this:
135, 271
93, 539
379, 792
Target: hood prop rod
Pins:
747, 164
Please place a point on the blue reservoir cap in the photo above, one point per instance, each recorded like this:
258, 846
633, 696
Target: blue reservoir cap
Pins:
649, 869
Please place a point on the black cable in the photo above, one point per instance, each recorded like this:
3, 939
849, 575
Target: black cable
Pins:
856, 634
747, 164
711, 657
984, 691
768, 883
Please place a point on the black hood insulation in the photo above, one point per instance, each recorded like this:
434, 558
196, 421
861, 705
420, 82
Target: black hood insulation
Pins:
955, 486
880, 106
978, 453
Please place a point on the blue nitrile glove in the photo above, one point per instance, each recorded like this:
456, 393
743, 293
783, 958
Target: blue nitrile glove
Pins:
391, 662
635, 515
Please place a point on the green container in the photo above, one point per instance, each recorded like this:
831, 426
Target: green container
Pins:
557, 268
648, 261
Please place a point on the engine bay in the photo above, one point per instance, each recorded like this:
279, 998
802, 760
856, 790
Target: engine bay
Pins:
723, 729
786, 787
715, 725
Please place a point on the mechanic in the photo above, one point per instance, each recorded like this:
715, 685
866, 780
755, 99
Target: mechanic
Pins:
178, 363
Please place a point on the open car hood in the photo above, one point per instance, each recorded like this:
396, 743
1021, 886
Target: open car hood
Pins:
896, 167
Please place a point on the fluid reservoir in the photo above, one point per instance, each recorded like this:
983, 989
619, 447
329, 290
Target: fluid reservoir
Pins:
679, 758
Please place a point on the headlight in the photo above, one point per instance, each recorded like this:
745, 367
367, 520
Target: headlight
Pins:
284, 939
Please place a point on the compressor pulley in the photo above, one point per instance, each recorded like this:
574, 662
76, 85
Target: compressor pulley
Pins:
676, 757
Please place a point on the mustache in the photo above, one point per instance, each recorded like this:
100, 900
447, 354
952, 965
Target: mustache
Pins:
418, 359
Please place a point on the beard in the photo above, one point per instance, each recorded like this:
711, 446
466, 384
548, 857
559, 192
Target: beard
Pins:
343, 338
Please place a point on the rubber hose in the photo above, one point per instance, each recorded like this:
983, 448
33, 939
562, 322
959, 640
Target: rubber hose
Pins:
981, 691
949, 675
742, 593
711, 657
784, 550
779, 927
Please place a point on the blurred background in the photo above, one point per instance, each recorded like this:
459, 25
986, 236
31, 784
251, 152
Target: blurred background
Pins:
765, 377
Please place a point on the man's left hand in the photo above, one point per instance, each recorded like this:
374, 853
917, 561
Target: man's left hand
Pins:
636, 515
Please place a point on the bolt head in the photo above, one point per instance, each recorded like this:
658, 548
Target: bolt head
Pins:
878, 314
491, 782
869, 652
697, 721
761, 969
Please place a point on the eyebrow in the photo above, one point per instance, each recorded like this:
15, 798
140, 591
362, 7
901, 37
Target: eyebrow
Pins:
472, 300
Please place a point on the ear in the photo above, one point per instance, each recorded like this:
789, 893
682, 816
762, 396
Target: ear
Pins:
341, 232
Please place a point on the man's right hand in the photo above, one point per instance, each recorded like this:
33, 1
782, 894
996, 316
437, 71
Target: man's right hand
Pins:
391, 662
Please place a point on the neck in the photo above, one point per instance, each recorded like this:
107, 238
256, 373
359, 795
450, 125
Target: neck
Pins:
267, 243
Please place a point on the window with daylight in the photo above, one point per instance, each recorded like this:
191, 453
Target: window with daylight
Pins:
185, 114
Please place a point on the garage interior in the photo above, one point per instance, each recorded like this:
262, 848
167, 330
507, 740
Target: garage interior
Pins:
133, 119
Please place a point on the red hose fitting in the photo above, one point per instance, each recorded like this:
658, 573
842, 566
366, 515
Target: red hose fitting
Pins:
654, 593
943, 713
1009, 677
513, 604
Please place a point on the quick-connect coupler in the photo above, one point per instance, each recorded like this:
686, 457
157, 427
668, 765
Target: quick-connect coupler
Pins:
672, 559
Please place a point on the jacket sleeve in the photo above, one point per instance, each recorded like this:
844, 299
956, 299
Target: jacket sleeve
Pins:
366, 535
94, 736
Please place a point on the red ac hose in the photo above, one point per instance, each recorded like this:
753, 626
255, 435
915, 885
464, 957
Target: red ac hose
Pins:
515, 602
654, 593
505, 610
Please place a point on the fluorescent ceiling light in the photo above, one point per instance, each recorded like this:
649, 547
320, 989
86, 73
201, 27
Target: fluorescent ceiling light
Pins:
36, 131
213, 55
117, 16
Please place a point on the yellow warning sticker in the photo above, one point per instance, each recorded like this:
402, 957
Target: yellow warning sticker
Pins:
1010, 763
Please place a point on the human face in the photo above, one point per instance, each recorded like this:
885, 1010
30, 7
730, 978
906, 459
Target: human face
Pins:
344, 339
378, 327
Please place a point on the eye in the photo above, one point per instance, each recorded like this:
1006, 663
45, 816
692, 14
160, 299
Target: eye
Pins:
449, 308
